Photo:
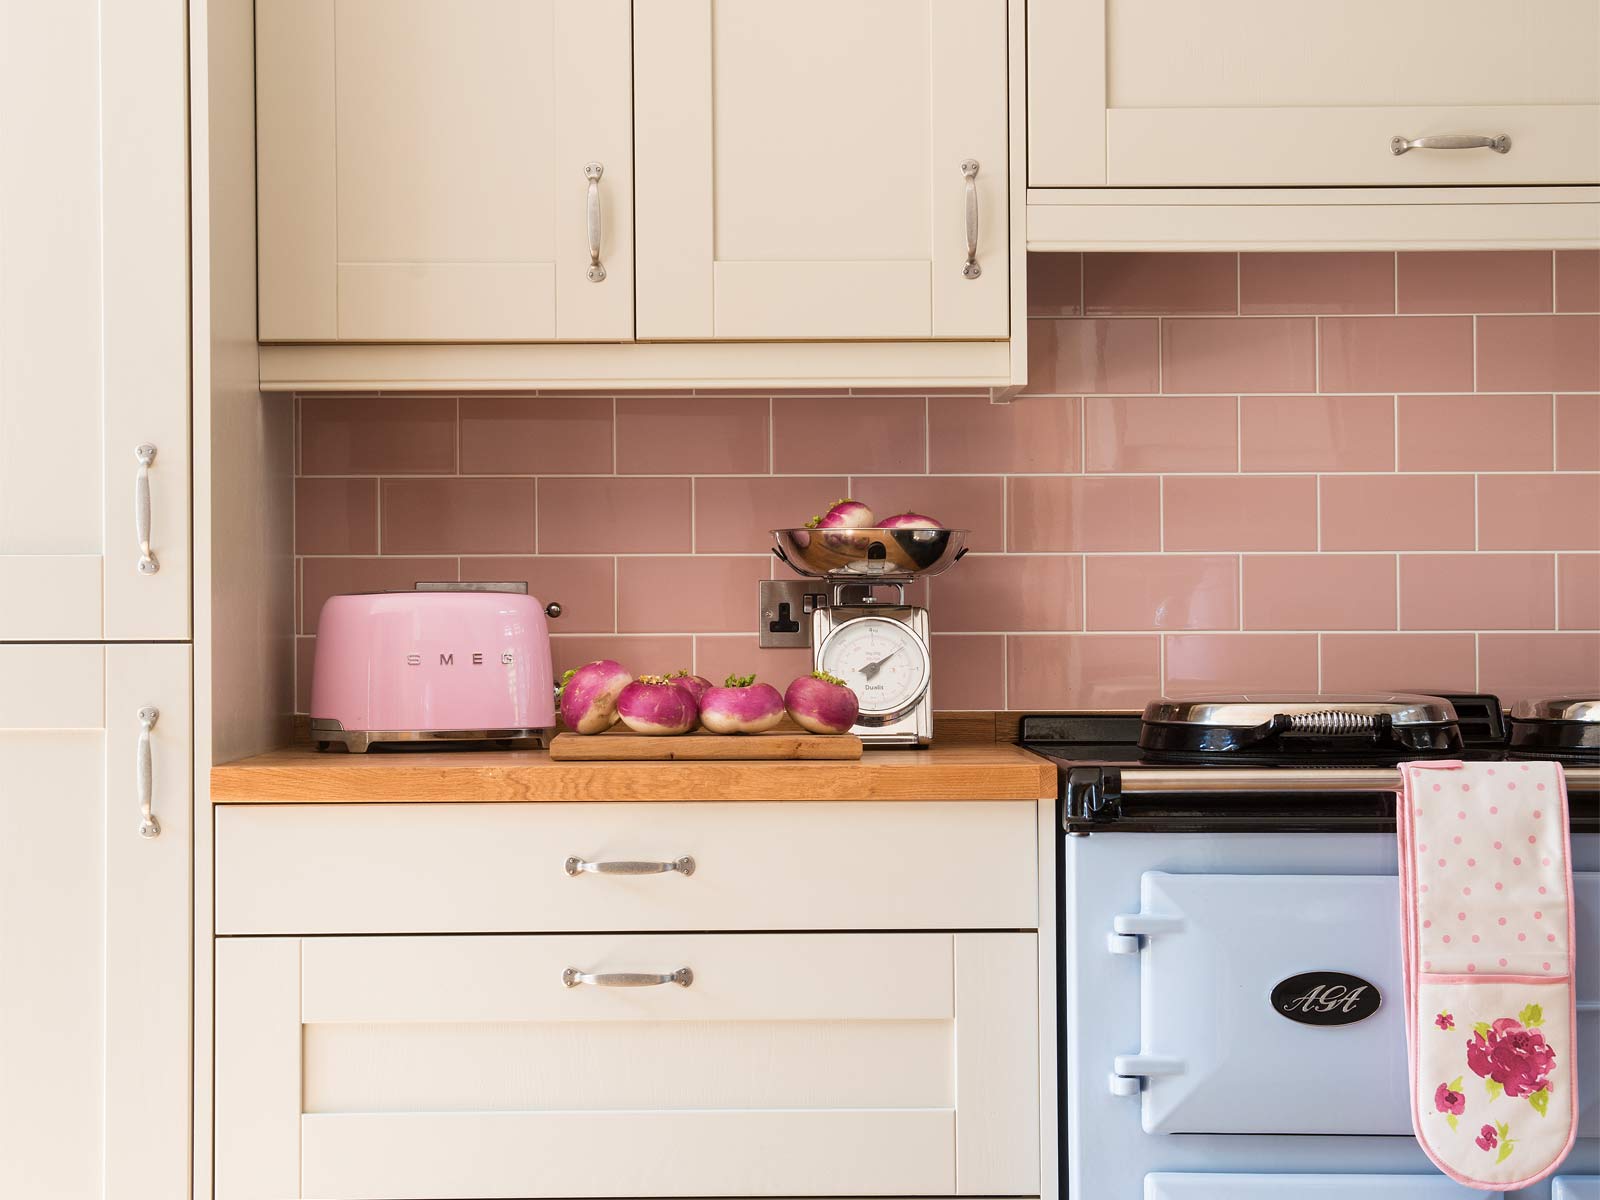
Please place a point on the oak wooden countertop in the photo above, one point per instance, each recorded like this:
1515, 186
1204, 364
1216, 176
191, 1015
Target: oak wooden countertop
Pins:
302, 775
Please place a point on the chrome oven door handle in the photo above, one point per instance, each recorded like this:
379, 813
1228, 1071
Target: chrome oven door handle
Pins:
1500, 143
146, 454
572, 977
576, 866
969, 172
592, 172
144, 772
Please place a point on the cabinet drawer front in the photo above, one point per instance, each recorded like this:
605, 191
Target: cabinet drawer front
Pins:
491, 868
790, 1064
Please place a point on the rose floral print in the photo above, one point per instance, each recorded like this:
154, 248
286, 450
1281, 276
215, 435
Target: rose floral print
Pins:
1445, 1021
1497, 1134
1513, 1058
1448, 1099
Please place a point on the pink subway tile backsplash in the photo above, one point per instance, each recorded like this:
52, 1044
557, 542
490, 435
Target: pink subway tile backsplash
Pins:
1474, 281
1287, 284
1225, 471
1316, 433
1152, 434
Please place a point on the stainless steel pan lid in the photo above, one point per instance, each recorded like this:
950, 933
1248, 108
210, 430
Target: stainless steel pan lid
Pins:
1561, 708
1311, 711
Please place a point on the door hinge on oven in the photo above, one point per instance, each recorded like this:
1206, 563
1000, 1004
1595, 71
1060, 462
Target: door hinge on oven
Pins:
1126, 930
1128, 1070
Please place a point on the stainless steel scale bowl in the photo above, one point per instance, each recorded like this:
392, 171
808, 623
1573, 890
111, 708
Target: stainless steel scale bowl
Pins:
846, 555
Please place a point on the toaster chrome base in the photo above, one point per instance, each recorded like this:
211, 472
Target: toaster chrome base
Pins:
326, 733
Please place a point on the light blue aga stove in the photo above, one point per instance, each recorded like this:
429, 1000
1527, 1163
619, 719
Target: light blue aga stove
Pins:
1197, 901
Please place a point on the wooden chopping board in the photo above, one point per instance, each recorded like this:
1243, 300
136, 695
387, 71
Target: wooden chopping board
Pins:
635, 747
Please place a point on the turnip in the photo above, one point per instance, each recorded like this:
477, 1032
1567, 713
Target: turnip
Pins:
741, 705
822, 703
589, 695
695, 685
909, 520
845, 514
653, 704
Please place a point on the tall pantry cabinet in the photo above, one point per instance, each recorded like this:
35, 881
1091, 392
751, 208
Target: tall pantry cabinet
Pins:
96, 731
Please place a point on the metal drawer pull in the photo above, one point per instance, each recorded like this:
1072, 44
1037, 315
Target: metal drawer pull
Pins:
592, 172
577, 866
572, 977
1500, 143
969, 172
148, 825
146, 454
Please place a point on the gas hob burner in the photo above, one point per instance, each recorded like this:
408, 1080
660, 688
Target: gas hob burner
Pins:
1565, 728
1299, 730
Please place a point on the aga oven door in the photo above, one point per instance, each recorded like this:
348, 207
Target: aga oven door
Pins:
1273, 1004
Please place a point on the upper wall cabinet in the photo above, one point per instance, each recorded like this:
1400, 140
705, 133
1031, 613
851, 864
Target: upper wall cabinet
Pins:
832, 170
437, 171
1147, 93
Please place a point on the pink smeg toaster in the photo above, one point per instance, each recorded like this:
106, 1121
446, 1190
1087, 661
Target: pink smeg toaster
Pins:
447, 662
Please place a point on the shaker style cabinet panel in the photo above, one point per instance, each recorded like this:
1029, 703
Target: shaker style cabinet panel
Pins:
795, 182
94, 303
724, 1065
435, 171
1144, 93
95, 755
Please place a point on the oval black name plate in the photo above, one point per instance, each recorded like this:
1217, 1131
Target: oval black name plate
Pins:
1326, 998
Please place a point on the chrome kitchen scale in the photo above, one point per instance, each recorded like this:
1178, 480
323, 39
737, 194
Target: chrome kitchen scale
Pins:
878, 647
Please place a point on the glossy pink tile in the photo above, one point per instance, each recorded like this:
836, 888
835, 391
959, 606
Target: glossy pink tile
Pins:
458, 516
1539, 512
969, 671
1074, 357
376, 435
1128, 434
1316, 433
1082, 671
305, 657
1396, 354
646, 655
1578, 591
1162, 591
1087, 513
1248, 512
1474, 281
691, 435
324, 577
614, 516
1055, 285
1578, 433
718, 655
1397, 512
335, 516
1317, 591
1578, 281
536, 435
863, 435
1122, 285
974, 503
701, 593
1477, 591
1293, 283
1010, 593
1250, 354
969, 434
1476, 433
1539, 354
1520, 666
1236, 662
733, 515
1409, 662
584, 586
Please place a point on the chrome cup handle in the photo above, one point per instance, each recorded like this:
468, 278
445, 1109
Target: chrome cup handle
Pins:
577, 866
969, 172
146, 454
1500, 143
592, 172
572, 977
144, 771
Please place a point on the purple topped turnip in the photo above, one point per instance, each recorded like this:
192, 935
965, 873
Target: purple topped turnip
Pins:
589, 695
695, 685
845, 514
822, 703
653, 704
741, 705
909, 520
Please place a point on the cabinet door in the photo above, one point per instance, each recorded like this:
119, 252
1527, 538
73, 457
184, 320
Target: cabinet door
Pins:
94, 301
1130, 93
94, 922
423, 170
784, 1065
801, 169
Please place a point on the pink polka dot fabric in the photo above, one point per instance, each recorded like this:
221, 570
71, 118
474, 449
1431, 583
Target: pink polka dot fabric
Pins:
1486, 911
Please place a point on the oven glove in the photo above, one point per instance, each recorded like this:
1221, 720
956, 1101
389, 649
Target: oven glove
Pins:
1487, 944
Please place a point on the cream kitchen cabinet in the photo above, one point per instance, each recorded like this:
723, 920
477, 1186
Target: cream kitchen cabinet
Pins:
433, 171
95, 754
1142, 93
94, 303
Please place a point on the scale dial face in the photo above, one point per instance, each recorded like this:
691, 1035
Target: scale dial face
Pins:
883, 661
